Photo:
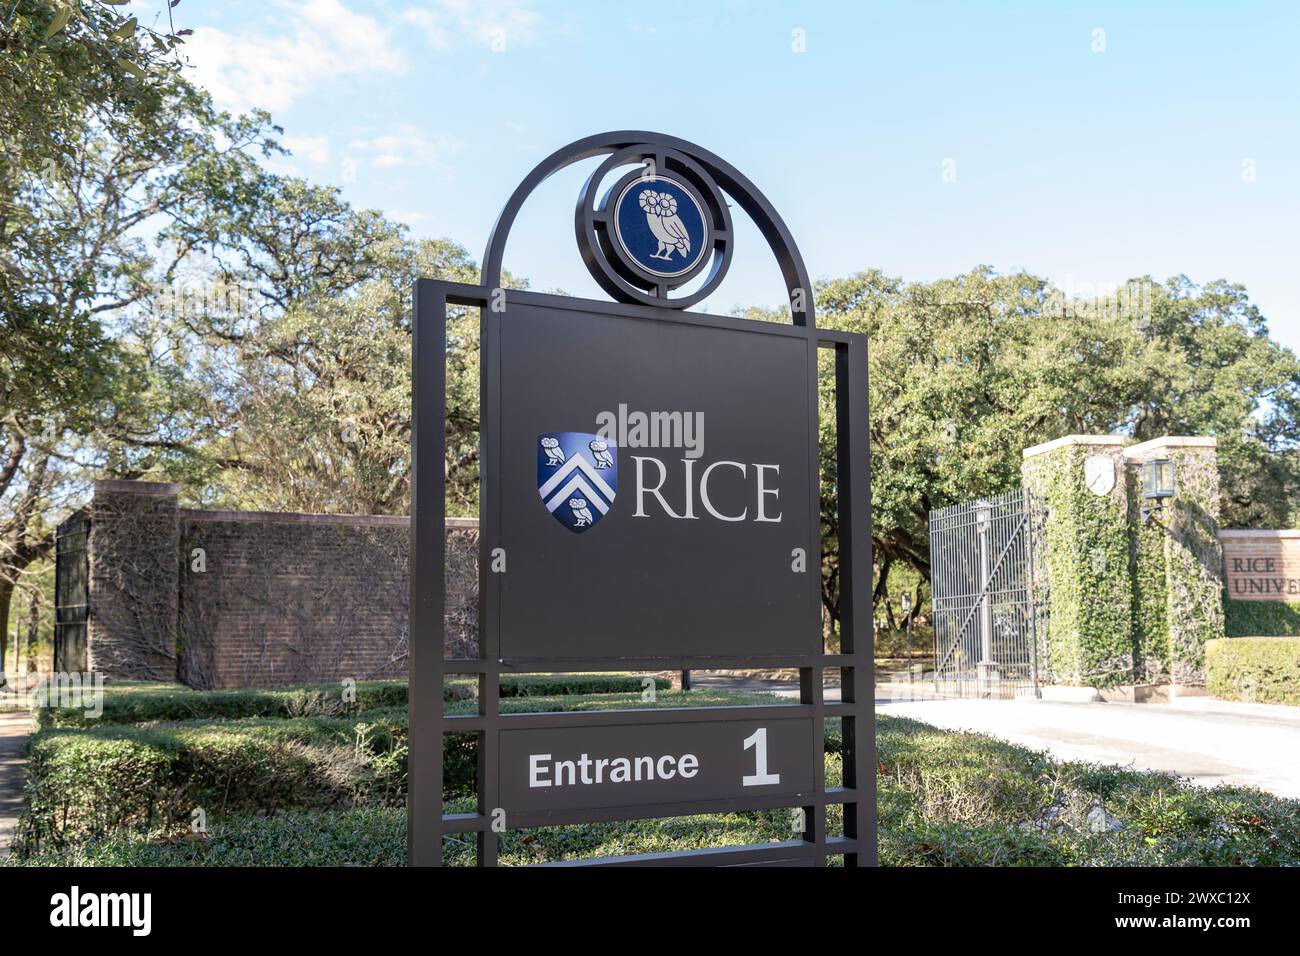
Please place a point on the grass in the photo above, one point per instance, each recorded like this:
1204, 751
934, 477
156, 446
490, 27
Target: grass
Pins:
319, 791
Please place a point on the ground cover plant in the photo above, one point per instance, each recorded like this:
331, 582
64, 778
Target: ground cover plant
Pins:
329, 790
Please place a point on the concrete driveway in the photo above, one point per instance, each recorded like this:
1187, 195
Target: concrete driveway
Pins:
1209, 741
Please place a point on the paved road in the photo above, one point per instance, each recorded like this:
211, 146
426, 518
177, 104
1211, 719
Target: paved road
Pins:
14, 728
1209, 741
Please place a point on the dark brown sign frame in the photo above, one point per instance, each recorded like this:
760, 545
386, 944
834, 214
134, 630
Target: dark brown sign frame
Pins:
428, 664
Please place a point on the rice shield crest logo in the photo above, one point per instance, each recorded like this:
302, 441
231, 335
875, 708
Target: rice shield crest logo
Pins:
577, 477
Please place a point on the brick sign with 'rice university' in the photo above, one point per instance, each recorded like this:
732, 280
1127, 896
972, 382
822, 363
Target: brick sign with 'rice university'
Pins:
1262, 565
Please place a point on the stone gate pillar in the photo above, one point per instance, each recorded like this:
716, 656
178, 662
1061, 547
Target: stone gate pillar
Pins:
1122, 601
1081, 560
1177, 562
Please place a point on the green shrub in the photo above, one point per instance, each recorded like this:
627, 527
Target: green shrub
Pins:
160, 773
1159, 823
549, 685
361, 837
133, 703
158, 776
1261, 669
1261, 619
552, 685
602, 701
952, 844
328, 790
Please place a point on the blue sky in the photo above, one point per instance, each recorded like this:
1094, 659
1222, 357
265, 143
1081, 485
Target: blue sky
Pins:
1166, 143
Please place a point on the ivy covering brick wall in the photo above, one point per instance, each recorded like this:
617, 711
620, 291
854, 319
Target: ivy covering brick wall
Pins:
1082, 559
1127, 601
248, 599
1194, 563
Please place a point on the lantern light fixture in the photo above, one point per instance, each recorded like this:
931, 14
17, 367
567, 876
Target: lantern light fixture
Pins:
1157, 485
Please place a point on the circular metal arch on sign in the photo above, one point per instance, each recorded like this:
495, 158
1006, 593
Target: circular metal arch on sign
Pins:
730, 179
612, 267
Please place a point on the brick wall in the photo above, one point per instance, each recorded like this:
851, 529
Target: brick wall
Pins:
1262, 565
221, 599
131, 554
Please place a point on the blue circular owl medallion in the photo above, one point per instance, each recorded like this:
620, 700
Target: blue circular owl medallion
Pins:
660, 225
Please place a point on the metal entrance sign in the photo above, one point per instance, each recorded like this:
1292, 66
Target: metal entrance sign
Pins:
633, 763
673, 462
649, 501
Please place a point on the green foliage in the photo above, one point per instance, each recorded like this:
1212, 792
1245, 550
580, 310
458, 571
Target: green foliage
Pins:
945, 799
1086, 547
968, 371
964, 799
550, 685
1261, 618
1151, 592
129, 702
1130, 600
1194, 578
161, 770
367, 836
67, 65
158, 775
1262, 670
101, 141
314, 361
955, 844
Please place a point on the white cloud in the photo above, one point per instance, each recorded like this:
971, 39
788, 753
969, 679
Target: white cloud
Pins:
324, 41
408, 216
314, 149
404, 146
496, 24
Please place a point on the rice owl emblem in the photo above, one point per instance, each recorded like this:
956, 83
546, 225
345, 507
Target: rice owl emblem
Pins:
577, 477
554, 455
580, 511
660, 224
661, 216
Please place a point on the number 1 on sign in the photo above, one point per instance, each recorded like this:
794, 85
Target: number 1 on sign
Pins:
760, 777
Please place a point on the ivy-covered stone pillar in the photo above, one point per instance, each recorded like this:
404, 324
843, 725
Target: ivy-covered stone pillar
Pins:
1177, 561
1082, 584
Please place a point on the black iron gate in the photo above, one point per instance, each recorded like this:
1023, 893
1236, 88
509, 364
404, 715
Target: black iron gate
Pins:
981, 571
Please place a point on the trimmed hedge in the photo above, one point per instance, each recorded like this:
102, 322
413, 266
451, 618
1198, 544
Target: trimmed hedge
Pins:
1261, 619
1263, 670
550, 685
945, 799
132, 703
159, 774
